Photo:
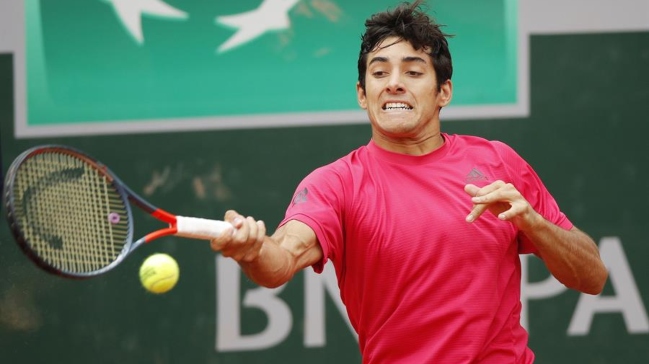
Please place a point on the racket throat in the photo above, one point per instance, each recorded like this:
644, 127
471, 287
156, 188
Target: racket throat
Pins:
163, 216
171, 230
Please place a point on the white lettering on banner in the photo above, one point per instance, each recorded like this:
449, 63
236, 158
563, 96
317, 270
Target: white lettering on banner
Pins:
626, 301
315, 286
228, 333
280, 318
549, 287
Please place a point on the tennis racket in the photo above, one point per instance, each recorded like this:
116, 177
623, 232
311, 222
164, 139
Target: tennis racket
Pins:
72, 216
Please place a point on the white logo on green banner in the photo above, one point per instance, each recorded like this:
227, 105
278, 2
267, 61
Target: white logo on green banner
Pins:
130, 13
194, 64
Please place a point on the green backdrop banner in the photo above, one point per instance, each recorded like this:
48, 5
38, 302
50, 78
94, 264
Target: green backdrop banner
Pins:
110, 61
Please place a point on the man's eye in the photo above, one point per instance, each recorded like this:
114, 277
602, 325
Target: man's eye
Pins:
414, 73
379, 73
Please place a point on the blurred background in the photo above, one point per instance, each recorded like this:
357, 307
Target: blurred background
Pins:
201, 109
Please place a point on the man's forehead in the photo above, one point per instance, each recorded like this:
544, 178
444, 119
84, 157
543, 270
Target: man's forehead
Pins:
409, 55
397, 48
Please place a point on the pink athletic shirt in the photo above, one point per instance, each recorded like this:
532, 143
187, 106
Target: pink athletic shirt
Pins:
421, 285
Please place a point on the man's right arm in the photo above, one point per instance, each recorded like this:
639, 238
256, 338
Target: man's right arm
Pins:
269, 261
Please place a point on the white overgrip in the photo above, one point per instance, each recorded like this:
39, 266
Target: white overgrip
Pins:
197, 228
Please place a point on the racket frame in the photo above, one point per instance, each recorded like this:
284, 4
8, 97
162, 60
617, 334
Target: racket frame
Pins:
125, 194
188, 227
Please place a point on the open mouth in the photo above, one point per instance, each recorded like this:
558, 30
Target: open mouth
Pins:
389, 106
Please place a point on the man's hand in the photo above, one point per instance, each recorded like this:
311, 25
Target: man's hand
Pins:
244, 243
269, 261
570, 255
504, 201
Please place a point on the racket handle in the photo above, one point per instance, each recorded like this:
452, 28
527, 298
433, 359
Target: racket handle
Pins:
197, 228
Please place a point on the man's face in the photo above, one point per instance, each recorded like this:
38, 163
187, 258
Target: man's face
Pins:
400, 95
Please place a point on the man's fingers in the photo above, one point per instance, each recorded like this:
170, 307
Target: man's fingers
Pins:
496, 192
477, 197
471, 189
500, 198
242, 242
215, 244
252, 253
230, 234
230, 215
476, 211
516, 208
246, 241
261, 230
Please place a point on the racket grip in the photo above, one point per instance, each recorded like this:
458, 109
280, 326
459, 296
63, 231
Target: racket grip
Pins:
197, 228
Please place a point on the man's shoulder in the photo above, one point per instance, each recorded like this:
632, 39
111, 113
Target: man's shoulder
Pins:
345, 164
464, 141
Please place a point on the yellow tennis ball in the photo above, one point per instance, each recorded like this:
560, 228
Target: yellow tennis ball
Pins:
159, 273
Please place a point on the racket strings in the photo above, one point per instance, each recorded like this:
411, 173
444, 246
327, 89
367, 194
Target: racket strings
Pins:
73, 217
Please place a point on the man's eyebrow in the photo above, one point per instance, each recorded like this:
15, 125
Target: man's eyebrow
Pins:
413, 59
407, 59
378, 59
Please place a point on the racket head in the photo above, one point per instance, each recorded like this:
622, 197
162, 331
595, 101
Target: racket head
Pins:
68, 213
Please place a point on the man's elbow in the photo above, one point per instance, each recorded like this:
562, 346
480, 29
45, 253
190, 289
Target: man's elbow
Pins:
595, 284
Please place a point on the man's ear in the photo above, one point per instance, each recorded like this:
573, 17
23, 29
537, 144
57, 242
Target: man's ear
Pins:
445, 93
360, 95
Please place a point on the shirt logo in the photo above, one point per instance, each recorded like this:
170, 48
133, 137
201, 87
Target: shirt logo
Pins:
475, 176
300, 197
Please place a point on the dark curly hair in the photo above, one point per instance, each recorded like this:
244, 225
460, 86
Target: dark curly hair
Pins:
410, 23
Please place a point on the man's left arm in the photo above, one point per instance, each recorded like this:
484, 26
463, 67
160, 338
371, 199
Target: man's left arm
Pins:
570, 255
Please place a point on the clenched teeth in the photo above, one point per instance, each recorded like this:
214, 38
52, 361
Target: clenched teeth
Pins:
397, 106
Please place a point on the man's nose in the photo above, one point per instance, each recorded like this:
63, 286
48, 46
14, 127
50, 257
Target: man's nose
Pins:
395, 83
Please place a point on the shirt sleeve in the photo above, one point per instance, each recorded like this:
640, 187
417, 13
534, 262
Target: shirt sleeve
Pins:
529, 184
318, 203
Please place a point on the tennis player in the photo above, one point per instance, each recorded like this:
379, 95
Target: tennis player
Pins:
424, 228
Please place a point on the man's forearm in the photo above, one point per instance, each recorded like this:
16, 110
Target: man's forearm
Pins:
272, 268
570, 255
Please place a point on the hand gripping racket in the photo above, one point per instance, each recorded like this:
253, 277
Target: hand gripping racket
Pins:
72, 216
